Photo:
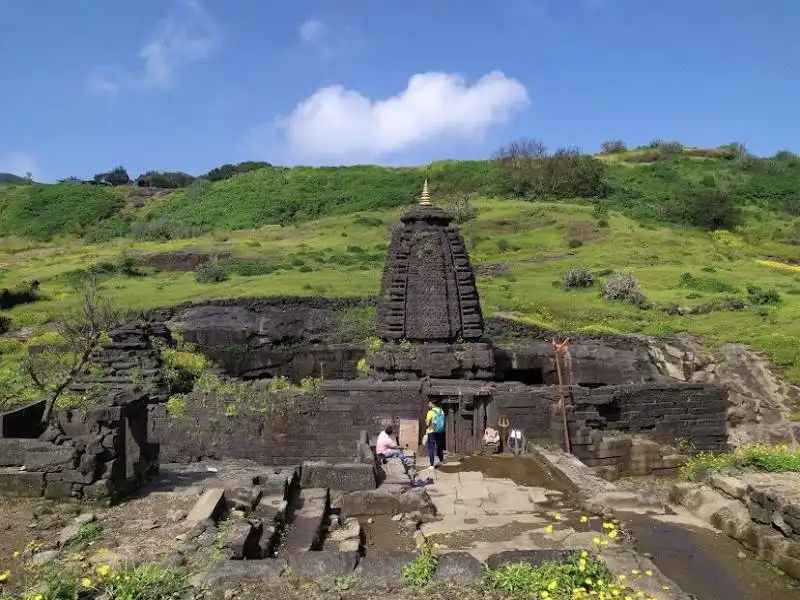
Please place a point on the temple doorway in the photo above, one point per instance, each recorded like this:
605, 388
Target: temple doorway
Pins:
465, 421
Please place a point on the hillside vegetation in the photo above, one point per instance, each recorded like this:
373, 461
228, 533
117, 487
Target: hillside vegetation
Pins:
656, 241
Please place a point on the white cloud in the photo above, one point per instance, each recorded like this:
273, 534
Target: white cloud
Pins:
312, 31
187, 34
18, 163
336, 124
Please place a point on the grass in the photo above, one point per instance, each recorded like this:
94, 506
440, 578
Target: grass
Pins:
146, 582
343, 256
756, 457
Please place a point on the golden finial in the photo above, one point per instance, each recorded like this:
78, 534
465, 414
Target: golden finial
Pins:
425, 199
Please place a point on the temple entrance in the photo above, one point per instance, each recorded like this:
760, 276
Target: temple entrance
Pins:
465, 421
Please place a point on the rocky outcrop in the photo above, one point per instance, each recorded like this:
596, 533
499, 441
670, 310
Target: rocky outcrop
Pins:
759, 402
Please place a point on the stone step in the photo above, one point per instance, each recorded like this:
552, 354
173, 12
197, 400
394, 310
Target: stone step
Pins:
305, 531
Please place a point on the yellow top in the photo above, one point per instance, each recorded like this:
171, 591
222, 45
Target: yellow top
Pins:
429, 419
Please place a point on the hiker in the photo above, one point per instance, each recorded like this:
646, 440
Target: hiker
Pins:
388, 448
434, 422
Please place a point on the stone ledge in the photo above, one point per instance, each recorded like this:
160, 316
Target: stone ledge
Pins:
761, 519
345, 477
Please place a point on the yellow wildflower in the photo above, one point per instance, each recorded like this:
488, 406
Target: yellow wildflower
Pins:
103, 570
4, 575
622, 578
613, 533
16, 554
584, 554
548, 529
595, 540
86, 582
584, 519
649, 573
557, 516
634, 571
608, 525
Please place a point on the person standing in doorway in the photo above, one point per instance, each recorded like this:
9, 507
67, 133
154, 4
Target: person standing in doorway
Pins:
434, 423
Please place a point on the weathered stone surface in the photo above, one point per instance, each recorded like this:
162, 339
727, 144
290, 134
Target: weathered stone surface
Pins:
309, 518
244, 498
242, 540
14, 482
381, 568
370, 502
459, 567
229, 574
317, 566
12, 450
346, 477
210, 505
52, 458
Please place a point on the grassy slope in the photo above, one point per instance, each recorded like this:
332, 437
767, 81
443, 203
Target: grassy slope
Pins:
317, 257
537, 235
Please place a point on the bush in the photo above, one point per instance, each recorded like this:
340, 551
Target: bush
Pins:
613, 147
707, 208
25, 293
759, 297
623, 287
460, 206
577, 277
759, 457
165, 179
705, 284
211, 272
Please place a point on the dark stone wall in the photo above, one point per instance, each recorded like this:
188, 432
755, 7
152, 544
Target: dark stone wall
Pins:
247, 362
313, 428
662, 412
128, 360
96, 454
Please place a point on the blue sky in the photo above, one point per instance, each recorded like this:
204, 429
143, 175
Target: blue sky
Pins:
191, 84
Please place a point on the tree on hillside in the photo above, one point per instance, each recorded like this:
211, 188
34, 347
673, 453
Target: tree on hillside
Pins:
567, 173
51, 367
165, 179
227, 171
117, 176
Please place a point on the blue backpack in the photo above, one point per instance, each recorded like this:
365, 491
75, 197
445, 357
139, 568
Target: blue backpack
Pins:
438, 420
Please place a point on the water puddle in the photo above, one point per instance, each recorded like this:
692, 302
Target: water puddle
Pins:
706, 563
522, 470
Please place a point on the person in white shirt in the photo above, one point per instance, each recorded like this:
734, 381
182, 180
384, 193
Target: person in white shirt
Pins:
387, 446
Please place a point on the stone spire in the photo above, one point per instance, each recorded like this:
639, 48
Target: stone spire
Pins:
425, 199
428, 291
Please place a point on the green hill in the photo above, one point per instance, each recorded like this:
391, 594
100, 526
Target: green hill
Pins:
710, 235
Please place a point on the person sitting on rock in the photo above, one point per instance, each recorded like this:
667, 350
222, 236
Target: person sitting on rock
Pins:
388, 448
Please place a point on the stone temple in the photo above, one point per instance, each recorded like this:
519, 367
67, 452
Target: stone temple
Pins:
429, 299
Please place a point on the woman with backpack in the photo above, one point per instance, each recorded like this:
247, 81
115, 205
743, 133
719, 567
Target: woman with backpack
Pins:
434, 423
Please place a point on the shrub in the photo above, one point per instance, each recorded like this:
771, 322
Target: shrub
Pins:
759, 457
705, 284
623, 287
613, 147
165, 179
460, 206
704, 207
367, 221
211, 272
577, 277
760, 297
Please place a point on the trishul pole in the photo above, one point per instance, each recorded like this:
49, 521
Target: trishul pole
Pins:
560, 349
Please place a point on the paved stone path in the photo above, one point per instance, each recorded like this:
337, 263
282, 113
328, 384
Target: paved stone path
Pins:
485, 515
